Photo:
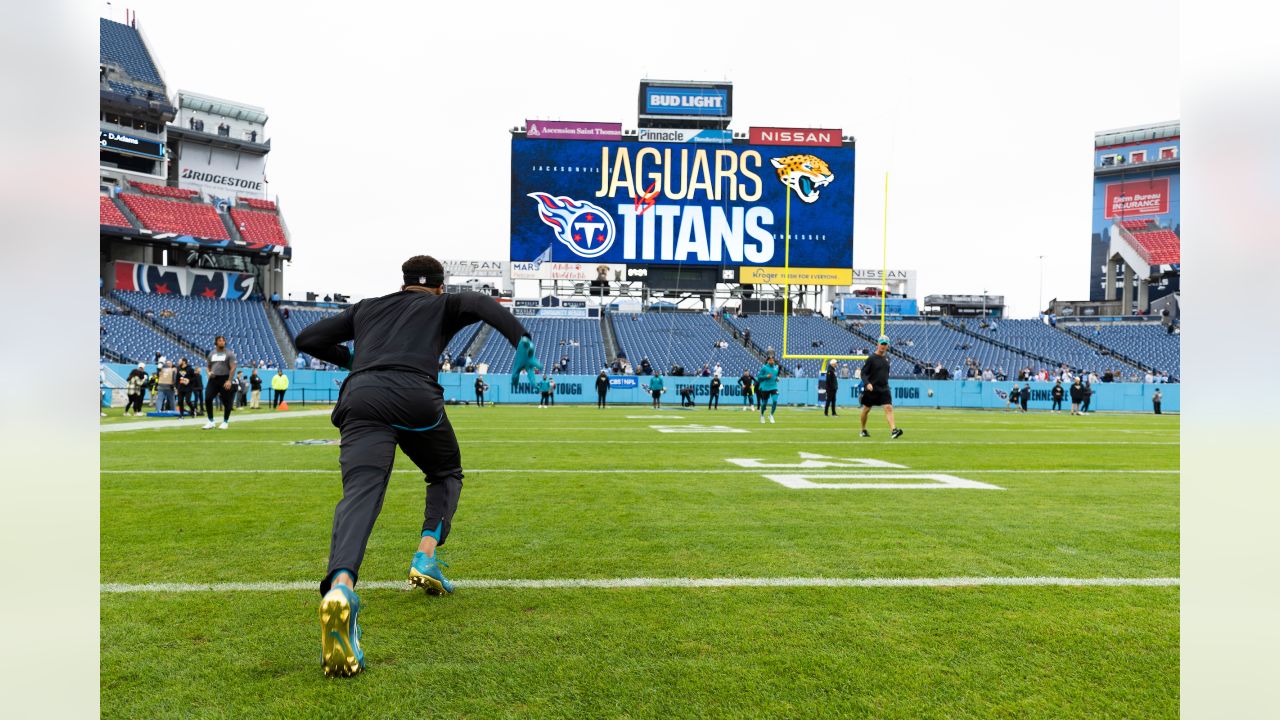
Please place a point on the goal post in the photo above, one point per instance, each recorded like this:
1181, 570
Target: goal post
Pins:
786, 279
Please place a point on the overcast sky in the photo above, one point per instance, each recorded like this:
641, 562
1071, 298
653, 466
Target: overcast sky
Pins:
389, 121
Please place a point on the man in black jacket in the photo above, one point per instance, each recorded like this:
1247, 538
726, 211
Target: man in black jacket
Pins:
481, 386
875, 388
715, 392
392, 398
1057, 394
832, 385
1077, 394
188, 383
602, 389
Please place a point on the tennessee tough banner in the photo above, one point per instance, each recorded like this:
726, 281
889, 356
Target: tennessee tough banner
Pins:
655, 203
166, 280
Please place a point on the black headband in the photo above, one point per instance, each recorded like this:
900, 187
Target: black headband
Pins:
435, 280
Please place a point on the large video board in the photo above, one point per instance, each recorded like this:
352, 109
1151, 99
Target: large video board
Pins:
716, 204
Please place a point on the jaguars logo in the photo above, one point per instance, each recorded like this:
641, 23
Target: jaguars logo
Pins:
806, 174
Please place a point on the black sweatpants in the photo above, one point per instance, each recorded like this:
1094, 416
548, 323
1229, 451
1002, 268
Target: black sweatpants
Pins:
135, 403
277, 397
715, 398
480, 398
225, 395
831, 403
600, 399
377, 411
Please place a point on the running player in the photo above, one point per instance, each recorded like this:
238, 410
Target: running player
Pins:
222, 367
875, 388
767, 387
392, 398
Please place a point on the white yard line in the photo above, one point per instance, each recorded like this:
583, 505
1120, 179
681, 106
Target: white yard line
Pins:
642, 582
612, 471
197, 423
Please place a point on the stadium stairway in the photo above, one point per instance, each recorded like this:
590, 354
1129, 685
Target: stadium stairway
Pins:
232, 232
281, 333
177, 339
729, 330
960, 328
477, 342
611, 346
128, 214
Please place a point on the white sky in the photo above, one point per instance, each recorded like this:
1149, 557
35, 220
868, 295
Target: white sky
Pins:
983, 113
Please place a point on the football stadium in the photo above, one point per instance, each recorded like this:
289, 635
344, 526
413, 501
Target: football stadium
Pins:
716, 463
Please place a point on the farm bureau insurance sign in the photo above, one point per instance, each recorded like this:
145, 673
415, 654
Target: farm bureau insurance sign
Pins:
1138, 197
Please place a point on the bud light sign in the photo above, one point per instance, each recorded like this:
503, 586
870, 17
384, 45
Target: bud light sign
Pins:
659, 203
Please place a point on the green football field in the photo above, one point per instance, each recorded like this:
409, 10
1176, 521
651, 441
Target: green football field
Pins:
633, 563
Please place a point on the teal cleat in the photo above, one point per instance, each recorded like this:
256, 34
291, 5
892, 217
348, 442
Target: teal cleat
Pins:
340, 653
425, 573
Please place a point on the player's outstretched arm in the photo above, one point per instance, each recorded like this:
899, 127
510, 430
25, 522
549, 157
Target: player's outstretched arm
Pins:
465, 308
325, 339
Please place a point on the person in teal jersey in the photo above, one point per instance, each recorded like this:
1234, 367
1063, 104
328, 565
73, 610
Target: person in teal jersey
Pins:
767, 387
544, 387
656, 388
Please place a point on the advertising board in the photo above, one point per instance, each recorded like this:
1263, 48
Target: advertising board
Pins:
594, 202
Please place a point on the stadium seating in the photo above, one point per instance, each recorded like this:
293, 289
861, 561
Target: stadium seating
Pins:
121, 44
1163, 246
1148, 343
931, 343
802, 333
197, 320
165, 190
259, 204
133, 339
685, 339
176, 216
109, 214
1135, 224
1036, 338
551, 338
256, 226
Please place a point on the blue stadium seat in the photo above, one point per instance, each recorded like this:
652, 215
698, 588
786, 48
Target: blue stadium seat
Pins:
551, 338
931, 343
197, 320
680, 338
134, 340
1148, 343
1036, 338
802, 333
121, 44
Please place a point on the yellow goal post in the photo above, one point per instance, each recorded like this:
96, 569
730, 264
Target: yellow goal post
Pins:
786, 279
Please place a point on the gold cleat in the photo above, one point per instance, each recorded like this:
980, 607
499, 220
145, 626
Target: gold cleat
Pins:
340, 653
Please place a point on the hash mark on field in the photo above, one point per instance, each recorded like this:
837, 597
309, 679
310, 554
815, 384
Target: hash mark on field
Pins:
643, 582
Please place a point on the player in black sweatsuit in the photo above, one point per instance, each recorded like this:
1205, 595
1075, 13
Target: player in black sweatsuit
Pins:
392, 398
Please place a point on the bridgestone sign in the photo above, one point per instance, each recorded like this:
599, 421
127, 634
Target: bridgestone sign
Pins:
224, 180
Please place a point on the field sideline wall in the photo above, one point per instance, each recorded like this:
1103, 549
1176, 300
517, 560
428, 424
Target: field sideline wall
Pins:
319, 386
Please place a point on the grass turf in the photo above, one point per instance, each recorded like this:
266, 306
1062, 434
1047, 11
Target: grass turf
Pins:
592, 511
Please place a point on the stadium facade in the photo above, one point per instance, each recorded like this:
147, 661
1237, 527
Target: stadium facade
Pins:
1136, 248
